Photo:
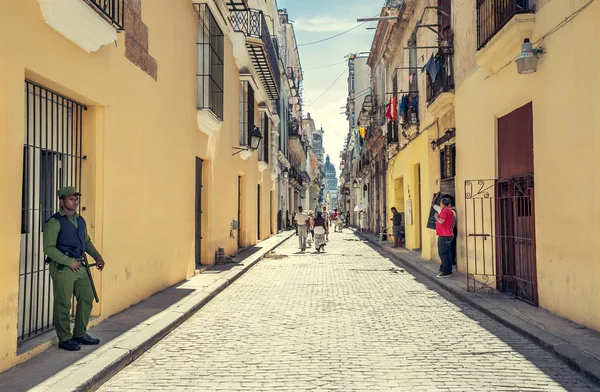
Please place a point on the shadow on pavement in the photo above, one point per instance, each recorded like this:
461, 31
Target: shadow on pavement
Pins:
53, 360
494, 327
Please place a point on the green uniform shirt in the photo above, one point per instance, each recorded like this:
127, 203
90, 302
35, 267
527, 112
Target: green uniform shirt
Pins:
51, 230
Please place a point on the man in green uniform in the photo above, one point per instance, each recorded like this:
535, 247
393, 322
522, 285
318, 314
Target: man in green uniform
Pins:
65, 243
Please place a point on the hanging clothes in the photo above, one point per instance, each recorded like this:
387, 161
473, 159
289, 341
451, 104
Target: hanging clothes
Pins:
388, 112
394, 108
403, 105
432, 67
428, 65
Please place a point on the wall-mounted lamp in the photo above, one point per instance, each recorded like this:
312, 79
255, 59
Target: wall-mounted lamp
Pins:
528, 58
255, 137
448, 133
433, 145
355, 184
286, 173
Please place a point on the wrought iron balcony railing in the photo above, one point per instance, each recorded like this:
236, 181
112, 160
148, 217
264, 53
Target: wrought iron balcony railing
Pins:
112, 10
492, 15
443, 78
261, 49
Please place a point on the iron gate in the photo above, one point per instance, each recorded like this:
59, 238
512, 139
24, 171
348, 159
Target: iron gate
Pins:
51, 159
500, 236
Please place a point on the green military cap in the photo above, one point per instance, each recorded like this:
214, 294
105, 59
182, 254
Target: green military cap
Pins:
66, 191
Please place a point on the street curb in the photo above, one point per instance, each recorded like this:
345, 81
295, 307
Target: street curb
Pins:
116, 356
572, 356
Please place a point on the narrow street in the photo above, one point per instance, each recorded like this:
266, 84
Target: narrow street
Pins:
346, 320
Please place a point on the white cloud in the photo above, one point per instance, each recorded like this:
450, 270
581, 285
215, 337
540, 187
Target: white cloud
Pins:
323, 24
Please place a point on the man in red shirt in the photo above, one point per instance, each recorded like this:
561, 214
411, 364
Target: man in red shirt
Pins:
444, 229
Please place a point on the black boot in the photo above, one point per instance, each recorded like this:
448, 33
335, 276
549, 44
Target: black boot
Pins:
69, 345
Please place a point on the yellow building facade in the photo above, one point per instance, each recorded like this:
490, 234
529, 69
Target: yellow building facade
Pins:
527, 157
425, 127
119, 116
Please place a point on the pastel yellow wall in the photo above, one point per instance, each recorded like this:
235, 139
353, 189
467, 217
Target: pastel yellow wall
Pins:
141, 139
404, 168
564, 93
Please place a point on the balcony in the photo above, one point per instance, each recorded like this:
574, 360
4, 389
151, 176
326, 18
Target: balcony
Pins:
238, 5
296, 178
440, 85
441, 79
259, 43
493, 15
392, 132
113, 11
88, 25
408, 112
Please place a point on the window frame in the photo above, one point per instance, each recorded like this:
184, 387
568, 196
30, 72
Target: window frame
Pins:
210, 42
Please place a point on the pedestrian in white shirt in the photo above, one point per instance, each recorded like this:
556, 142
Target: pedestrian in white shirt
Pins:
302, 221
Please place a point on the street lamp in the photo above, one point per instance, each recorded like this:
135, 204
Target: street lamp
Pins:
255, 137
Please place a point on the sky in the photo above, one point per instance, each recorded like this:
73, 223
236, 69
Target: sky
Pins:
323, 63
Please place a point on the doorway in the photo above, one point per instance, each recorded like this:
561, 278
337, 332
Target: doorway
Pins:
239, 214
198, 233
418, 211
515, 207
271, 212
258, 214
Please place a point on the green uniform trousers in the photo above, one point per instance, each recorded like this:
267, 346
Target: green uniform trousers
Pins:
66, 284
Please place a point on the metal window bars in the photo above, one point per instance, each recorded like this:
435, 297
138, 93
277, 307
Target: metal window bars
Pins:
211, 48
52, 158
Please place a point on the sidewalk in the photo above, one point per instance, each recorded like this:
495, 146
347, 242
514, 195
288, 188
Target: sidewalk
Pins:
576, 345
127, 335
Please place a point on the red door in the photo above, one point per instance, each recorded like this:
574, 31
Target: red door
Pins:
515, 223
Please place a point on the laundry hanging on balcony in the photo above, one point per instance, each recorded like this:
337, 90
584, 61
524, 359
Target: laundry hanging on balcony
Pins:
433, 66
403, 106
391, 112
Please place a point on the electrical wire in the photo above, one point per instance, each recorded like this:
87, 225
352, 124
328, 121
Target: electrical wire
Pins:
333, 36
320, 115
331, 85
326, 66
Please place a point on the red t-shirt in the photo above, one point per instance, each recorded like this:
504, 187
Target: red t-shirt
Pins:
445, 229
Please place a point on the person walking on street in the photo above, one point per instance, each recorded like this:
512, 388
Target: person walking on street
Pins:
364, 221
340, 222
334, 219
444, 229
327, 221
302, 223
65, 243
310, 229
321, 231
397, 227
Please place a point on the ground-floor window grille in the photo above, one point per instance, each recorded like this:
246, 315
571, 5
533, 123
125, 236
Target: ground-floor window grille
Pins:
51, 159
244, 113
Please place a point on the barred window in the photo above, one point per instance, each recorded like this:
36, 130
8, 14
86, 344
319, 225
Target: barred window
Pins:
244, 113
263, 151
210, 62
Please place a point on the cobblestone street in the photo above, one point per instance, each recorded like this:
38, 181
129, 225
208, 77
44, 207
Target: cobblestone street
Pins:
346, 320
